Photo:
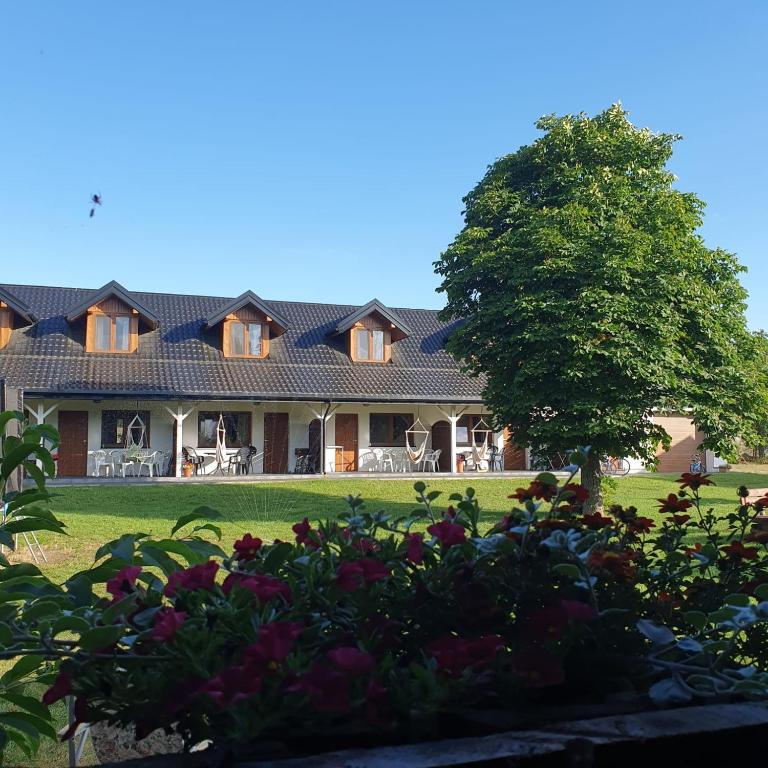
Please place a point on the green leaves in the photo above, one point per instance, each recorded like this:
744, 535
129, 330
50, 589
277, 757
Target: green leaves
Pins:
200, 513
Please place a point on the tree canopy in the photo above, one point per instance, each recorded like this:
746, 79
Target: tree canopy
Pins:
589, 299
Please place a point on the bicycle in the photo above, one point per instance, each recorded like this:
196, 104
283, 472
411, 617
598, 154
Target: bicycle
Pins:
614, 465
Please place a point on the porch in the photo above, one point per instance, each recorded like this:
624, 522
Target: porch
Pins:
286, 438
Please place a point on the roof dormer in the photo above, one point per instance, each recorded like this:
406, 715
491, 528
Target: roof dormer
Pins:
247, 324
113, 320
371, 331
14, 313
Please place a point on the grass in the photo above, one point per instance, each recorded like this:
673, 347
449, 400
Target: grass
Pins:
94, 515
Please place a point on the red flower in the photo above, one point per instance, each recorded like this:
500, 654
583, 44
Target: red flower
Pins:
454, 654
352, 660
197, 577
616, 564
575, 610
232, 685
247, 547
365, 545
679, 519
123, 582
327, 687
553, 524
415, 551
597, 521
537, 667
547, 623
450, 513
303, 531
352, 573
673, 504
535, 490
640, 525
265, 588
694, 550
62, 686
738, 551
447, 533
167, 622
580, 493
274, 643
693, 480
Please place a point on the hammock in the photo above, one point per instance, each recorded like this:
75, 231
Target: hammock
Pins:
419, 433
481, 431
136, 425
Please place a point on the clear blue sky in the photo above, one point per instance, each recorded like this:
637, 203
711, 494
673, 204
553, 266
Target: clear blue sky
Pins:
320, 150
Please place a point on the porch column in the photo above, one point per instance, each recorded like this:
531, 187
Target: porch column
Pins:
179, 417
326, 411
41, 414
453, 417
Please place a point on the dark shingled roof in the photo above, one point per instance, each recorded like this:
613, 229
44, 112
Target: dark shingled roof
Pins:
182, 359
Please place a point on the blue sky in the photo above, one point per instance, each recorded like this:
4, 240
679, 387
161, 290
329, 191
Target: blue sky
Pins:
320, 151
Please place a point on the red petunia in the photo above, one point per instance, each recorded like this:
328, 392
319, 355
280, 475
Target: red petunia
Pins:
597, 521
62, 686
305, 534
232, 685
197, 577
693, 480
274, 643
167, 623
265, 588
454, 654
327, 687
673, 504
447, 533
738, 551
580, 493
352, 660
123, 582
352, 573
247, 547
415, 551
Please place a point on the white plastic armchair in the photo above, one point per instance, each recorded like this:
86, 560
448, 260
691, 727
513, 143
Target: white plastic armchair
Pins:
150, 462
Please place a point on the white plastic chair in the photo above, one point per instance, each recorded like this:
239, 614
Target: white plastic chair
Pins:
101, 460
388, 461
149, 461
431, 458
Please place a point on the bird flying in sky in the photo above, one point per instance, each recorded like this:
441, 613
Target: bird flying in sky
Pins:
96, 200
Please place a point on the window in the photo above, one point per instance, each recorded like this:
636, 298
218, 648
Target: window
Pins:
388, 429
5, 326
110, 333
115, 425
464, 427
369, 345
237, 425
245, 339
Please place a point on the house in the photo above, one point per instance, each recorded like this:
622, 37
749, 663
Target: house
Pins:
340, 384
285, 376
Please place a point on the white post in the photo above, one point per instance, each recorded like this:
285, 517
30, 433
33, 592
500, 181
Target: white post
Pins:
41, 414
453, 418
179, 417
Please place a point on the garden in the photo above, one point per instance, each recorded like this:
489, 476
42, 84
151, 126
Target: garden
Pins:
373, 624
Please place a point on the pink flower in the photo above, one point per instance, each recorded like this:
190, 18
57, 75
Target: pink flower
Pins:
415, 551
454, 654
447, 533
62, 686
352, 660
327, 687
265, 588
167, 623
197, 577
247, 547
123, 582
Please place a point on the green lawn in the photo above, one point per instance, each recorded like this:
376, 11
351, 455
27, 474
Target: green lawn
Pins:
94, 515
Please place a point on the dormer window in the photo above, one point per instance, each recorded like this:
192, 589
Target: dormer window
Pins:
369, 345
112, 317
112, 328
246, 339
6, 325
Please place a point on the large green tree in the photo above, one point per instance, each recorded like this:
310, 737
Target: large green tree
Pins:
589, 299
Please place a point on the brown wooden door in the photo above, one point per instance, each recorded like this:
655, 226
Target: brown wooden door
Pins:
346, 437
441, 438
275, 443
514, 455
73, 446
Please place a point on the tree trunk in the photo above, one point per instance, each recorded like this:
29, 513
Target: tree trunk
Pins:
590, 479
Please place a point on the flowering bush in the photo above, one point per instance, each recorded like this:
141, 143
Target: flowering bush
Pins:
365, 625
373, 628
